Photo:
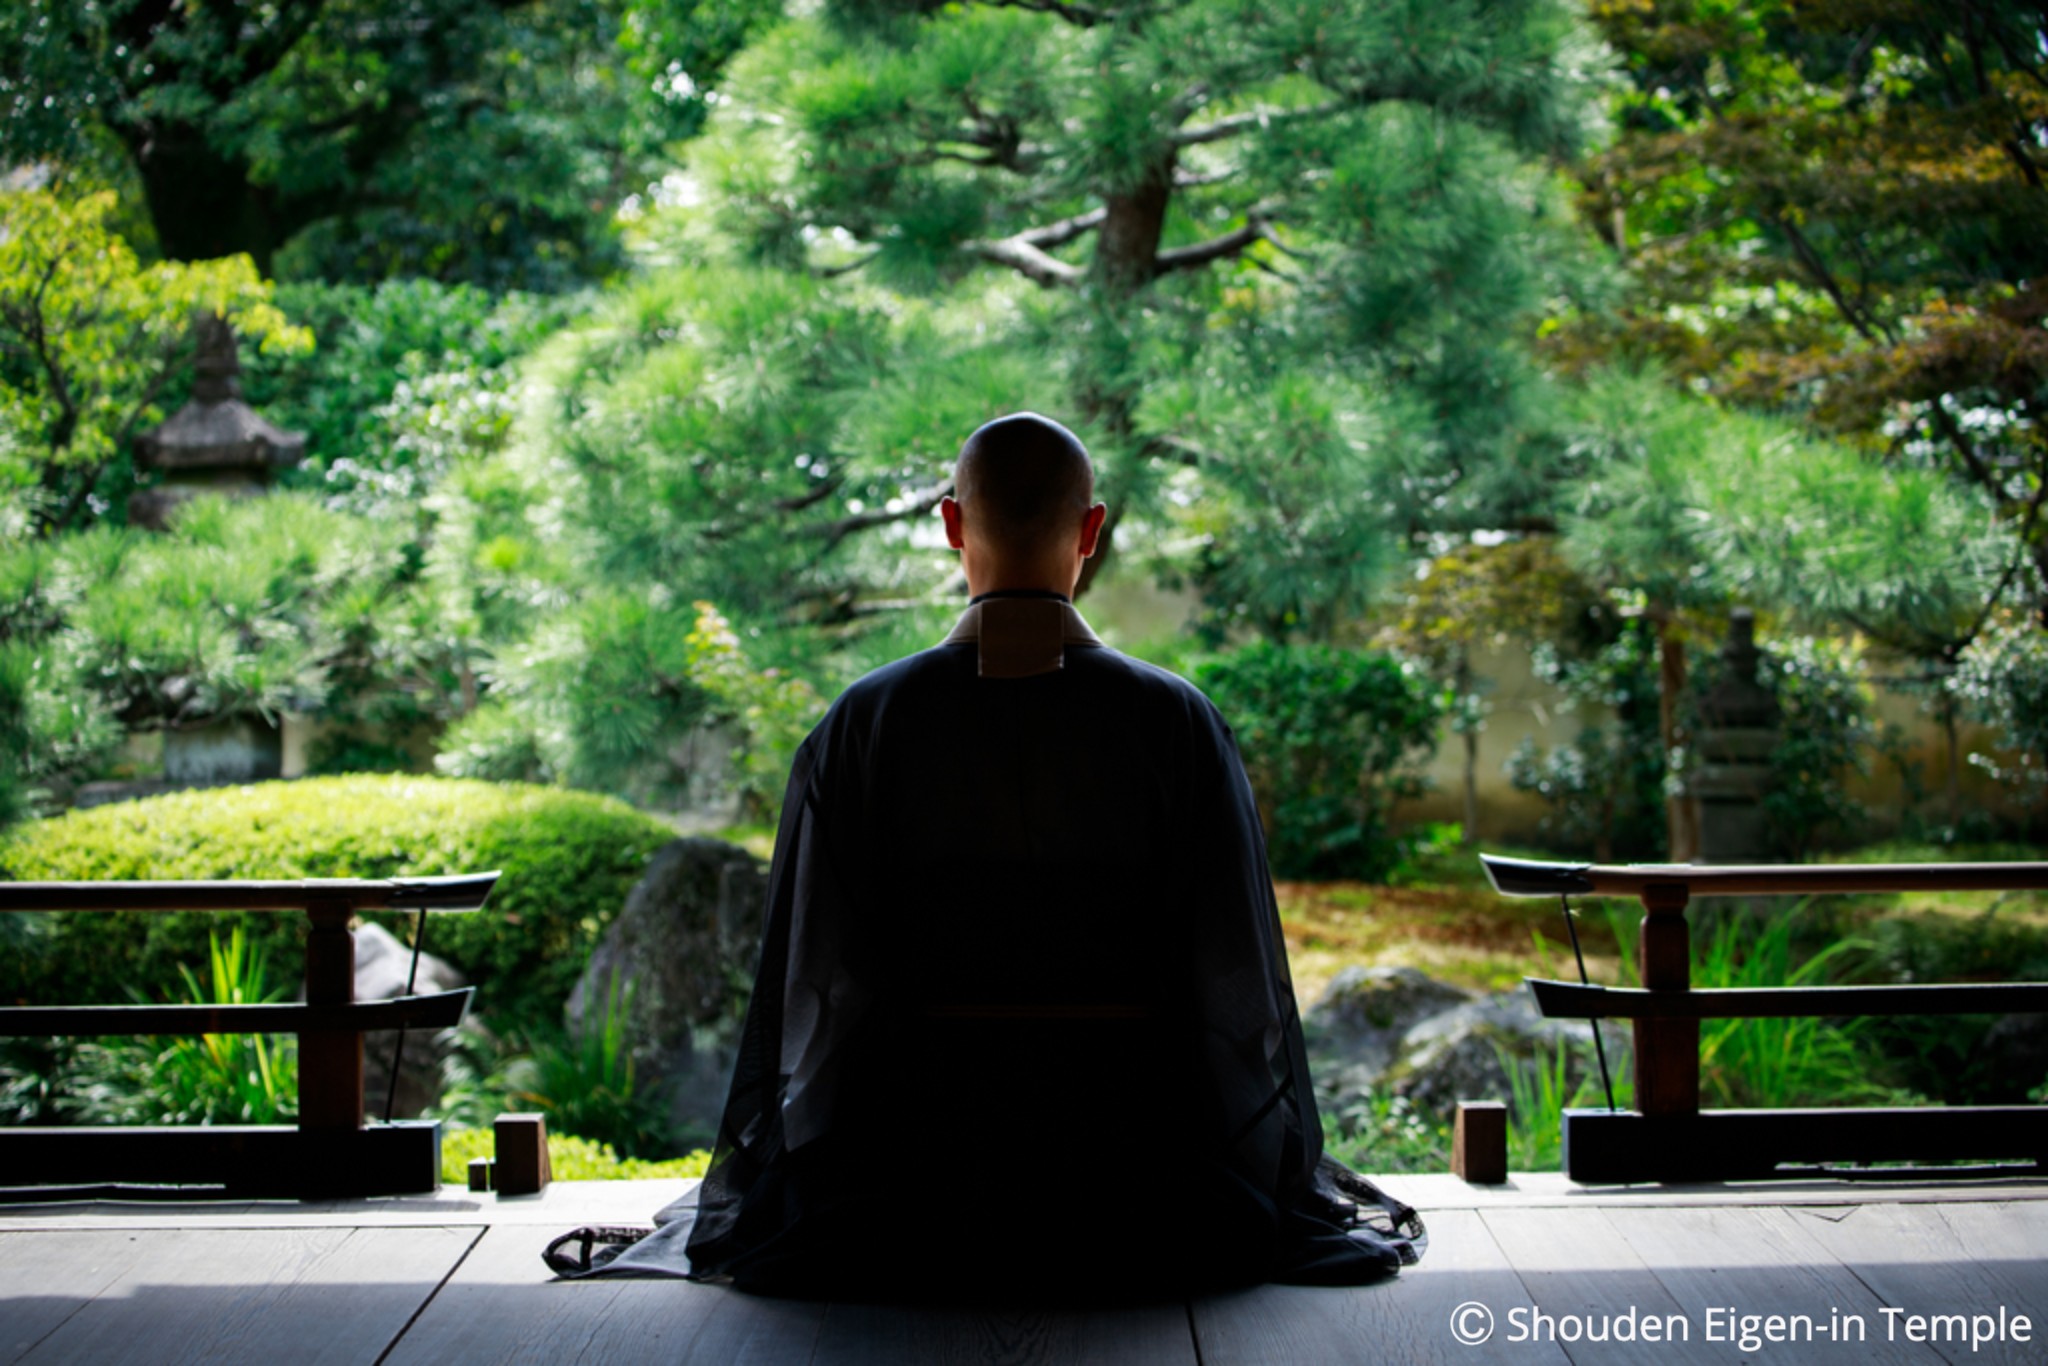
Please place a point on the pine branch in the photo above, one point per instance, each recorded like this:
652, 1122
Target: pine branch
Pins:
1066, 230
1866, 327
1027, 260
2011, 571
810, 496
1229, 244
846, 268
1025, 253
1083, 16
915, 505
1176, 449
1257, 118
1964, 447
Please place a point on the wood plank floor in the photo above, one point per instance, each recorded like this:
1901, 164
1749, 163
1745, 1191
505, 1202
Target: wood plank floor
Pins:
1559, 1274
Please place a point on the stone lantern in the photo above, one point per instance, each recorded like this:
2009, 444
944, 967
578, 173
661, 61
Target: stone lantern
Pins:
215, 443
1740, 727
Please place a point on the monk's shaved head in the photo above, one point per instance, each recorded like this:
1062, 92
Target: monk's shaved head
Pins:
1023, 481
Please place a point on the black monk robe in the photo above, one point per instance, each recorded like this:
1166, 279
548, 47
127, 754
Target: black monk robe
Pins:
1023, 1015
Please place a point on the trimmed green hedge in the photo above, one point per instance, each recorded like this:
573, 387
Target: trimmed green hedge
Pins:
568, 860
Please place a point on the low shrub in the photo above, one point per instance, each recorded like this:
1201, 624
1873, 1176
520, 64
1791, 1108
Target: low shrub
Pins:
2002, 679
568, 860
1605, 788
570, 1159
1958, 1059
1331, 739
584, 1084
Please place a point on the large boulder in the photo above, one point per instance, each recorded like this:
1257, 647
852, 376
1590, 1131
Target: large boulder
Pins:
383, 963
678, 962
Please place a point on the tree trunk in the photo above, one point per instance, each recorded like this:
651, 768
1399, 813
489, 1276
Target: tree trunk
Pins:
1125, 261
1127, 243
1681, 816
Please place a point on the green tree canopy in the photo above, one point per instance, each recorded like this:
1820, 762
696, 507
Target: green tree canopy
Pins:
484, 139
1840, 208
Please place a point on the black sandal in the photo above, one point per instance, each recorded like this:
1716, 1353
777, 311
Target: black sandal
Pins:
596, 1248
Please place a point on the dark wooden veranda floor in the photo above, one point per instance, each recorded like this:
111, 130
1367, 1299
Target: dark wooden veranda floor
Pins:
458, 1278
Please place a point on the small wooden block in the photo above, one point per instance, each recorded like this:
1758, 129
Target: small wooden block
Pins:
522, 1167
1479, 1142
479, 1173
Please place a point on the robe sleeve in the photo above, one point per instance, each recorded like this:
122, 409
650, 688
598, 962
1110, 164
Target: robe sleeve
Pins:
1331, 1225
805, 1002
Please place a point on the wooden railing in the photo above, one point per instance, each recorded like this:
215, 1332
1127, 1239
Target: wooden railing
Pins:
1667, 1137
331, 1152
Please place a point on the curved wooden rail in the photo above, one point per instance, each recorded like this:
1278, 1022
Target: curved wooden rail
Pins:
466, 892
1530, 877
1573, 1001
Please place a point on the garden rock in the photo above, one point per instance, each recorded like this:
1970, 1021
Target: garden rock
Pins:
678, 962
383, 961
1360, 1018
1458, 1054
1438, 1045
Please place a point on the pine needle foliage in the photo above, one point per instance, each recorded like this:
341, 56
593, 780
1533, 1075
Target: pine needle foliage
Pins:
1278, 265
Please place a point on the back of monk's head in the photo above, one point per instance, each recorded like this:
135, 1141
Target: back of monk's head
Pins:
1023, 481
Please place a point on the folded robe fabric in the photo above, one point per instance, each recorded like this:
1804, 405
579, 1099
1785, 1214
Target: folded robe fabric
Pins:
1023, 1015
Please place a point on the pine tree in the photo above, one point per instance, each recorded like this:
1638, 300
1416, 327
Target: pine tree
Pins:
1278, 263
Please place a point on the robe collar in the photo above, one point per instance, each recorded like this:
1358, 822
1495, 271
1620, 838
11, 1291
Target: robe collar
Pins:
1020, 635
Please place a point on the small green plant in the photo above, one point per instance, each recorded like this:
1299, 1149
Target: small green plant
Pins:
210, 1079
584, 1083
1773, 1063
1539, 1092
1387, 1133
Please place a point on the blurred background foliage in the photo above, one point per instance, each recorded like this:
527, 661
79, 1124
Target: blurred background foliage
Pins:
632, 339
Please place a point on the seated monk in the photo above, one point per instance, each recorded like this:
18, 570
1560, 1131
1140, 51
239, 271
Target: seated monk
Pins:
1023, 1018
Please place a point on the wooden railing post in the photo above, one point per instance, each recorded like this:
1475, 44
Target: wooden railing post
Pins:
330, 1061
1667, 1051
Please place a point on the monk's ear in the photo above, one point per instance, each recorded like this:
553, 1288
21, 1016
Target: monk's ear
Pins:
949, 512
1091, 528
